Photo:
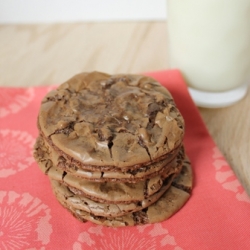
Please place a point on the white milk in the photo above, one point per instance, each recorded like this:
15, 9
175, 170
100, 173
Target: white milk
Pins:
210, 42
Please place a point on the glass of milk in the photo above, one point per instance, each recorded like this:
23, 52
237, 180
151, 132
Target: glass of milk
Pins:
209, 41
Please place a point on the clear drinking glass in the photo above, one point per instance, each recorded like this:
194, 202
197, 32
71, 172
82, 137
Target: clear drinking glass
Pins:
209, 41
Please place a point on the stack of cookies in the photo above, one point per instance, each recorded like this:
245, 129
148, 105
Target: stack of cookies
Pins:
112, 147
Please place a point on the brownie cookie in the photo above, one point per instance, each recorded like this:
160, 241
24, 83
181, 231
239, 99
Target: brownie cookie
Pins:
103, 120
112, 147
81, 202
167, 205
112, 192
161, 168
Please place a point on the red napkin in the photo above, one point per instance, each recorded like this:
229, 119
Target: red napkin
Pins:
217, 216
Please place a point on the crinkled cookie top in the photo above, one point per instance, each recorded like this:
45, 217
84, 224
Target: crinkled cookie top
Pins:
117, 120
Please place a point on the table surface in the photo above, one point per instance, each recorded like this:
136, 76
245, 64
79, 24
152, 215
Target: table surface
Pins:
44, 54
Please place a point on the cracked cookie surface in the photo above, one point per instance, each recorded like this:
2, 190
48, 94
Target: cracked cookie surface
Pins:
104, 120
107, 191
47, 157
112, 147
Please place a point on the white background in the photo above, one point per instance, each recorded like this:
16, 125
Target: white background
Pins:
44, 11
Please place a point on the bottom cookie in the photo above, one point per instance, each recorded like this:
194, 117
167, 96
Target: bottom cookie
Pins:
167, 205
65, 194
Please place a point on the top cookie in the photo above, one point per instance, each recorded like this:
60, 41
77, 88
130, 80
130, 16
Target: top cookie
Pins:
111, 120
